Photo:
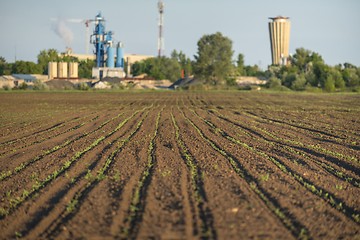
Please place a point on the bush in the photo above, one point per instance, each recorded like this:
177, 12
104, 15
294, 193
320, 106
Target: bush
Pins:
38, 85
231, 82
312, 89
245, 88
22, 86
274, 83
329, 85
6, 87
83, 86
117, 86
299, 83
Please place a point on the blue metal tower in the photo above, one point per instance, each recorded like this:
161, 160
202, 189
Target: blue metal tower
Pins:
105, 51
103, 42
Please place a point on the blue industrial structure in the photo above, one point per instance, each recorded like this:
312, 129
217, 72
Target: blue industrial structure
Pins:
120, 56
104, 47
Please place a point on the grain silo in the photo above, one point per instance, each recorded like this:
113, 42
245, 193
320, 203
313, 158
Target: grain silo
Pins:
52, 70
62, 70
73, 70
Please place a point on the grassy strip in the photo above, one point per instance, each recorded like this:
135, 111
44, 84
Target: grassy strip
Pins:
294, 227
328, 197
15, 202
207, 230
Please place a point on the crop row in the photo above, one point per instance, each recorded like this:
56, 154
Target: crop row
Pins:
311, 122
207, 229
15, 202
314, 146
287, 145
22, 166
137, 205
28, 132
28, 144
74, 204
289, 222
318, 191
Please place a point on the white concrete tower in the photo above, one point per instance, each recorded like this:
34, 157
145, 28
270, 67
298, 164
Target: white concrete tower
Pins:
279, 30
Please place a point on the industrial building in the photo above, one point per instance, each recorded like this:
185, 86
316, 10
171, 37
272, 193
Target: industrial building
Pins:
279, 30
105, 52
129, 59
63, 70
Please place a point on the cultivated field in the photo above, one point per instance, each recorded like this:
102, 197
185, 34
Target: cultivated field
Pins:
179, 166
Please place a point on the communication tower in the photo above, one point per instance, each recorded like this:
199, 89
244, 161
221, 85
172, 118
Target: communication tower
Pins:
161, 28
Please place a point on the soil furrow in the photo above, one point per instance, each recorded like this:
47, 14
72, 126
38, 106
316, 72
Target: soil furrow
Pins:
291, 224
339, 206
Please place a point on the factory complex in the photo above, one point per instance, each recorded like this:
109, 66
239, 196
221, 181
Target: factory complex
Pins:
114, 65
108, 55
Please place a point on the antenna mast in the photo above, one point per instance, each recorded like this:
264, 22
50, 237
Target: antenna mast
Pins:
161, 28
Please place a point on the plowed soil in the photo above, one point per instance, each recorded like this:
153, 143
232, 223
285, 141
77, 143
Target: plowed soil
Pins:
173, 165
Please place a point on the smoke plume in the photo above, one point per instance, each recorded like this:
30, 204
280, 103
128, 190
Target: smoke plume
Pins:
63, 31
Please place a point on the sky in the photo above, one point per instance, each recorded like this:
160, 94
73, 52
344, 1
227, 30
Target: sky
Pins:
328, 27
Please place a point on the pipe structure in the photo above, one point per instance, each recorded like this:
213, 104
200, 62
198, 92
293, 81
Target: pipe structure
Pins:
98, 41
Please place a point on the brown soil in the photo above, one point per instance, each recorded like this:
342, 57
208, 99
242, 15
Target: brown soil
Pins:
179, 166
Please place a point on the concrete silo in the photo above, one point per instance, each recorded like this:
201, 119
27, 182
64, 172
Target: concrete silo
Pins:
279, 30
52, 70
62, 70
73, 70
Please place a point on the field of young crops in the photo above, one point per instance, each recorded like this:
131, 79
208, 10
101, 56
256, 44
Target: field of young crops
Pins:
168, 165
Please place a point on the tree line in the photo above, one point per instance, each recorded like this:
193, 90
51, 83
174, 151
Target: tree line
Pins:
41, 67
214, 65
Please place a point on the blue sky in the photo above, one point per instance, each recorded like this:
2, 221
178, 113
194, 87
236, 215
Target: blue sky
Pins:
328, 27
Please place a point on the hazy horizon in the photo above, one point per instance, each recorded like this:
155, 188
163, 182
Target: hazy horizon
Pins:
326, 27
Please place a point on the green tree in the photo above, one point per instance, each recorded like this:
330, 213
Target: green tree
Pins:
240, 65
274, 83
2, 65
85, 68
299, 83
352, 79
46, 56
213, 62
329, 84
288, 79
141, 67
301, 58
335, 73
321, 73
158, 68
26, 67
172, 69
185, 62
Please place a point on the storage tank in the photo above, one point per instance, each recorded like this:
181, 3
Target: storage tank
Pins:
62, 70
52, 70
119, 55
73, 70
110, 57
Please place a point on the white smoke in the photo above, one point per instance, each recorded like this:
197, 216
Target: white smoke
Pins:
63, 31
